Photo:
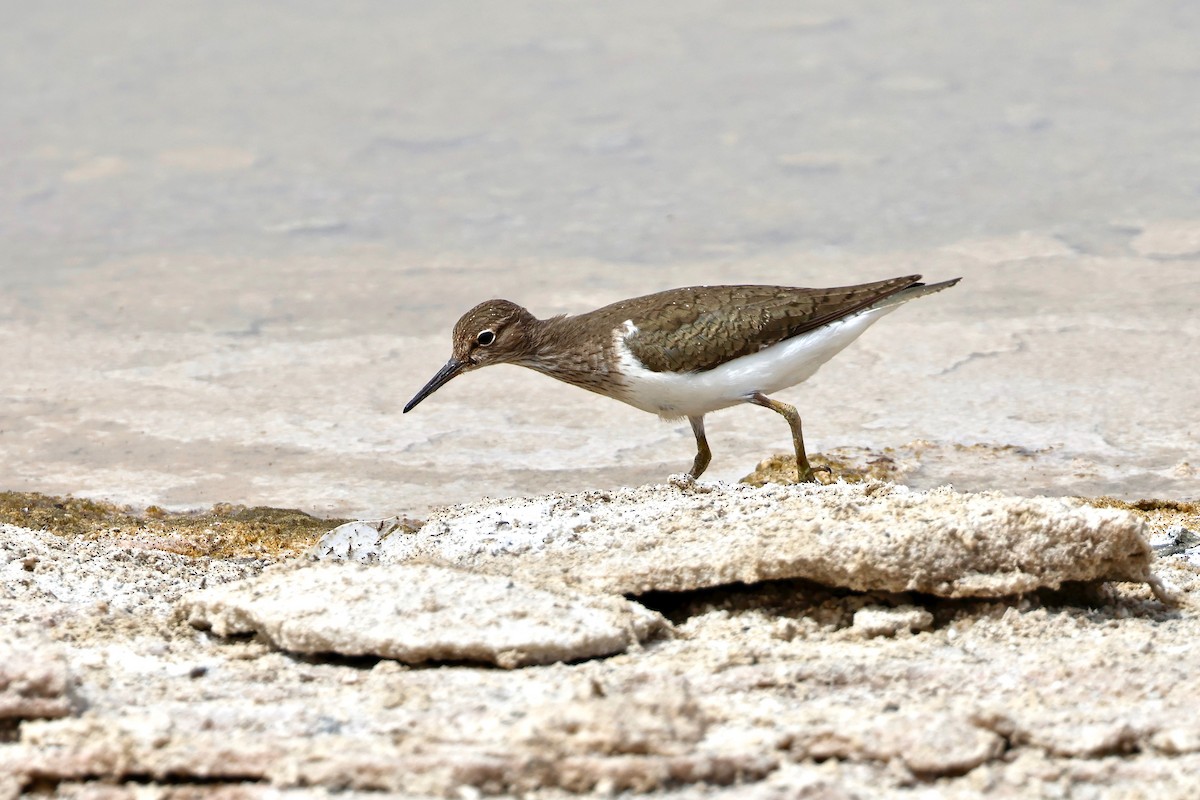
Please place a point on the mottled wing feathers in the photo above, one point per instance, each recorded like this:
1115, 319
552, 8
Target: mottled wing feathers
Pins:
692, 329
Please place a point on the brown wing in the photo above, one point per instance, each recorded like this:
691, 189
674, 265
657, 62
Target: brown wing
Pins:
691, 330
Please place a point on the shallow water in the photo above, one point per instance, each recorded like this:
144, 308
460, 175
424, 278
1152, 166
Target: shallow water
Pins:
233, 239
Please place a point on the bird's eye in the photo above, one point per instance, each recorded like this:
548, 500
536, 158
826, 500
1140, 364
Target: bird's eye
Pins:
485, 338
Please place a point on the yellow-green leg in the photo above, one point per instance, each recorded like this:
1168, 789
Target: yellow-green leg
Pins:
803, 471
703, 454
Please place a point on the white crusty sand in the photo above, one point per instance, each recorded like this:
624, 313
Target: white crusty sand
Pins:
110, 668
865, 537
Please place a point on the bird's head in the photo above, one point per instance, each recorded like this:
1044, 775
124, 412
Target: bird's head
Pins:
493, 332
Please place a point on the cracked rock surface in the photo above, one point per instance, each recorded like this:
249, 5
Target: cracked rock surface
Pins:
34, 678
415, 613
775, 689
860, 536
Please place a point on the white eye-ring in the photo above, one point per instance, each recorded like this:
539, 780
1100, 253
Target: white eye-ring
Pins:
486, 337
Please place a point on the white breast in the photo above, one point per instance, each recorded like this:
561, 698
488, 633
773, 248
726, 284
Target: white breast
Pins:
687, 394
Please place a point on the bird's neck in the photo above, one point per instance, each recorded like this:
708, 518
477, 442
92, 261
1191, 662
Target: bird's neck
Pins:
573, 349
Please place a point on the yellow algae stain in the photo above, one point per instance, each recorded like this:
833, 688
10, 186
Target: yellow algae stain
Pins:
828, 467
224, 531
1159, 515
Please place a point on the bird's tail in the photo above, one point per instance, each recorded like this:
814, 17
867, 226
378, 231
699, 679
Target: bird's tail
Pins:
913, 292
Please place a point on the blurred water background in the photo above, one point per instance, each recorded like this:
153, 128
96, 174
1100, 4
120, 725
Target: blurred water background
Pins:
234, 236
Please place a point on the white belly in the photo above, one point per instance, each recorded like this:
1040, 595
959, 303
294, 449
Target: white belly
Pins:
690, 394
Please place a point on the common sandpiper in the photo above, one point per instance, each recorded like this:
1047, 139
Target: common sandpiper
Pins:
684, 352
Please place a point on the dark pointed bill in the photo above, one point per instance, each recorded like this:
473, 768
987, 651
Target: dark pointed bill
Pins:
453, 367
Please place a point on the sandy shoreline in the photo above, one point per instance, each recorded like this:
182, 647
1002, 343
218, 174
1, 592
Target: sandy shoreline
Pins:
1081, 392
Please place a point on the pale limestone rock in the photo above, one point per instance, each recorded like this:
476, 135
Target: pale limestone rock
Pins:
928, 744
34, 680
1088, 740
418, 612
140, 745
940, 745
658, 717
151, 747
1177, 739
1088, 701
873, 621
828, 780
862, 536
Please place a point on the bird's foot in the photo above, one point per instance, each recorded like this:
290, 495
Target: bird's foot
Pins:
681, 480
688, 483
808, 474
